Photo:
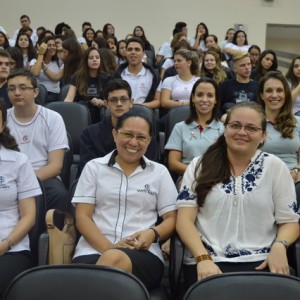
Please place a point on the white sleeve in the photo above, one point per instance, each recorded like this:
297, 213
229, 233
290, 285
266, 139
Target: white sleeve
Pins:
187, 196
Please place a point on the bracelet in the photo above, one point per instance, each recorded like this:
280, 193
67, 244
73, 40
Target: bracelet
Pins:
203, 257
283, 242
156, 235
10, 243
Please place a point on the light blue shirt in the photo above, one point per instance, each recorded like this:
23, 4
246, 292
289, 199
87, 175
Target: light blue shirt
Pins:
188, 139
286, 149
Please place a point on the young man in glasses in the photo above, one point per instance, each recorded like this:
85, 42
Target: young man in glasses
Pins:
40, 134
97, 139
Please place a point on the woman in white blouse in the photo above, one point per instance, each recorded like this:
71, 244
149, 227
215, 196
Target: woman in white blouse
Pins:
234, 215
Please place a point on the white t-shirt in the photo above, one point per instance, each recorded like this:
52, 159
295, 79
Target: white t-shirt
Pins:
180, 90
46, 132
238, 222
51, 86
124, 205
17, 182
236, 47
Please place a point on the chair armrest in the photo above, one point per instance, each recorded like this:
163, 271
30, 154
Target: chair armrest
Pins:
176, 258
43, 249
297, 255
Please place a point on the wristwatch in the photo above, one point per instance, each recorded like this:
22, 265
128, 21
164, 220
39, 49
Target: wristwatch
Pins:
296, 170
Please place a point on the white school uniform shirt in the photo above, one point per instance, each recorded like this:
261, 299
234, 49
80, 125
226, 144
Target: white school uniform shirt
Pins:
180, 90
124, 205
140, 84
46, 132
17, 182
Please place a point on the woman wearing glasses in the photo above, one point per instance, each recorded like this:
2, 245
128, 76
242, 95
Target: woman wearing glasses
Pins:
118, 199
233, 214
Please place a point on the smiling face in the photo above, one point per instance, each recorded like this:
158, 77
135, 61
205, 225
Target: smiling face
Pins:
210, 62
94, 60
210, 42
134, 53
89, 35
131, 149
51, 48
204, 99
241, 141
273, 95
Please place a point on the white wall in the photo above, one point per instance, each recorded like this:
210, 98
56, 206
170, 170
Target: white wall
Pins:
156, 16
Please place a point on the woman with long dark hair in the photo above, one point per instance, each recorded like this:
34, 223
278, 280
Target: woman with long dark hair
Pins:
87, 83
233, 212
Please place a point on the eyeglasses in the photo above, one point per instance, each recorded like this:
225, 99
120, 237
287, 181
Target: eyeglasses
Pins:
21, 88
127, 135
115, 100
248, 128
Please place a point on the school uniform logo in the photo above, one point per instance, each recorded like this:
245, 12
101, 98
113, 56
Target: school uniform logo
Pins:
146, 190
2, 183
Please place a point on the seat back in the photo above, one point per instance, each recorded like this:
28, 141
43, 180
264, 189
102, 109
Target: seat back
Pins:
40, 226
41, 98
76, 117
76, 282
246, 286
175, 115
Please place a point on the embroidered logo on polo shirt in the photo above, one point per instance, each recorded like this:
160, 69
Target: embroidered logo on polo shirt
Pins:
2, 183
146, 190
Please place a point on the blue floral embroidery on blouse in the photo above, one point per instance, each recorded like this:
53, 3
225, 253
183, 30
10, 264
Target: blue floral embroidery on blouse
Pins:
294, 207
185, 194
229, 253
248, 178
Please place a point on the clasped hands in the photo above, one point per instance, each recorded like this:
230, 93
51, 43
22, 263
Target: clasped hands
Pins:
140, 240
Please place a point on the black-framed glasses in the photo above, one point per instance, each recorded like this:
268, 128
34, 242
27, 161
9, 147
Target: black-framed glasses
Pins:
128, 135
238, 126
116, 100
21, 88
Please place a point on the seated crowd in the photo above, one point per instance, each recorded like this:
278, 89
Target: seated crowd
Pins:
235, 156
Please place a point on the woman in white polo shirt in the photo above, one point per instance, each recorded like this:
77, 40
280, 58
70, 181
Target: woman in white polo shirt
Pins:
18, 186
118, 199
